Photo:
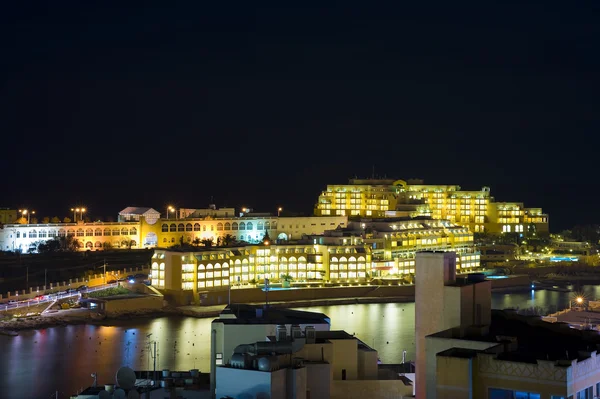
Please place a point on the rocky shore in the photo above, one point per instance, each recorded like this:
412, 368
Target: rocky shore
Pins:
12, 327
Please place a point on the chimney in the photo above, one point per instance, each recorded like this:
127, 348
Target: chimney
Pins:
449, 271
281, 333
310, 334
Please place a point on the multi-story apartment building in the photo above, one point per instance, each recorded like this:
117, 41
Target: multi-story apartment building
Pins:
384, 198
217, 268
465, 349
144, 228
395, 242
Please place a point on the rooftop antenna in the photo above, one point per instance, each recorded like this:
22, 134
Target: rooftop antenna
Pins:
95, 377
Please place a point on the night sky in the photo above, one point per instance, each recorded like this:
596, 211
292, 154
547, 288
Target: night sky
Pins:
109, 105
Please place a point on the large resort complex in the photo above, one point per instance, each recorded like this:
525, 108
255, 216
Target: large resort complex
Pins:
386, 198
360, 231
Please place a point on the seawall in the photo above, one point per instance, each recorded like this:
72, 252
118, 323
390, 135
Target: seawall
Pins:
353, 293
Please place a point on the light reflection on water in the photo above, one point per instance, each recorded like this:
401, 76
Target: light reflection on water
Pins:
37, 363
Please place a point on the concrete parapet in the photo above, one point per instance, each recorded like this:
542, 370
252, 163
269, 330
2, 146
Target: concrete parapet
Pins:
95, 280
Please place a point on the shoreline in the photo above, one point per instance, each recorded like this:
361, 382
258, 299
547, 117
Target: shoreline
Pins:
13, 327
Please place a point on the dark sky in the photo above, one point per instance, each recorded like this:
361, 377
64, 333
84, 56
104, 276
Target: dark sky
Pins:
109, 105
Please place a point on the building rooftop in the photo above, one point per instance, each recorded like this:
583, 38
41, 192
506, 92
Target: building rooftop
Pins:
459, 352
135, 210
249, 314
528, 338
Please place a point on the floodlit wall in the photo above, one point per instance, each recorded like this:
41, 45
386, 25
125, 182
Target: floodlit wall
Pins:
129, 304
454, 378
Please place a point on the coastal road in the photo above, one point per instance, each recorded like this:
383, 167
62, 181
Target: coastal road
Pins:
53, 297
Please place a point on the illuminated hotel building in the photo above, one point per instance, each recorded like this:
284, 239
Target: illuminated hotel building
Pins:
385, 198
143, 228
395, 242
215, 268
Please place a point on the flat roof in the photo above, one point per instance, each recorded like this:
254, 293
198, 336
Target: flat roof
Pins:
534, 339
459, 352
250, 314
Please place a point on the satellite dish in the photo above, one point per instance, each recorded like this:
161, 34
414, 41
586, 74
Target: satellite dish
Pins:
126, 378
104, 395
119, 394
133, 394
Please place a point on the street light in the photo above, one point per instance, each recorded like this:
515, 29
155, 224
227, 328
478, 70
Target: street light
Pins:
26, 212
579, 300
76, 211
279, 210
171, 209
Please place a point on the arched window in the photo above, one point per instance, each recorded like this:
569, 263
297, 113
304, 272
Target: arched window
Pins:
189, 227
116, 232
219, 226
234, 226
124, 231
42, 234
217, 265
79, 232
274, 224
51, 233
180, 227
106, 232
98, 232
259, 226
212, 227
19, 234
203, 227
98, 244
70, 232
267, 225
165, 228
352, 263
242, 226
172, 227
227, 226
133, 231
61, 233
133, 244
33, 234
89, 232
89, 245
196, 226
249, 226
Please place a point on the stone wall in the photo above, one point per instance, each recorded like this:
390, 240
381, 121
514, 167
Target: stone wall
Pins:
115, 306
251, 295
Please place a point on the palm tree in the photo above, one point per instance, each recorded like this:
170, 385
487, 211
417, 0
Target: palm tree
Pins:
227, 240
207, 242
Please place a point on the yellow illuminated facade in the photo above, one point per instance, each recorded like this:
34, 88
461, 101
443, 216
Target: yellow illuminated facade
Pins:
214, 268
384, 198
394, 243
8, 216
148, 231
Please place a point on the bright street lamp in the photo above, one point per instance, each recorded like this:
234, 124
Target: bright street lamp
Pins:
171, 209
26, 212
76, 211
279, 210
579, 300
